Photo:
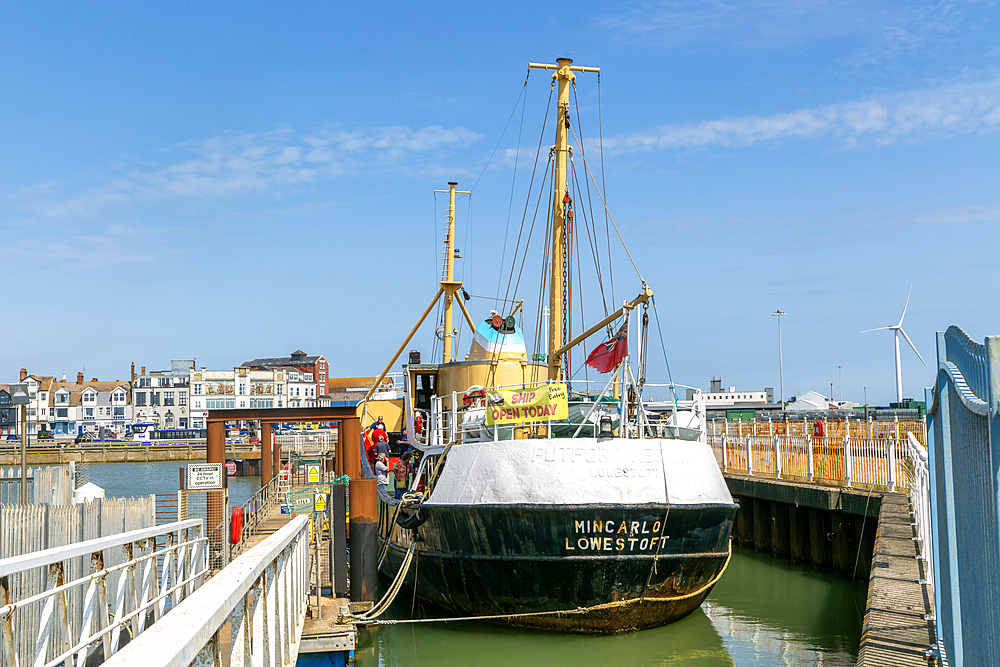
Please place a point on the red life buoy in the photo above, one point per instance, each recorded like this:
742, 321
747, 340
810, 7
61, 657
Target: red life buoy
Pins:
818, 429
236, 525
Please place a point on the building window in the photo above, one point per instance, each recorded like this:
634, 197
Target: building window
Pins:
243, 388
31, 412
197, 390
88, 413
156, 398
164, 382
89, 397
119, 412
182, 422
279, 402
42, 396
279, 390
197, 405
168, 398
140, 398
182, 398
197, 423
62, 413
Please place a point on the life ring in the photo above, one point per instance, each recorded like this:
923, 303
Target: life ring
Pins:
472, 394
236, 525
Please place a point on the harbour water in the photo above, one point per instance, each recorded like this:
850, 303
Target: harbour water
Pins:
764, 612
158, 477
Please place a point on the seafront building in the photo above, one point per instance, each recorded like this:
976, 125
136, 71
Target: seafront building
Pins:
161, 397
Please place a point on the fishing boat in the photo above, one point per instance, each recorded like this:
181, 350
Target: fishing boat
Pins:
535, 502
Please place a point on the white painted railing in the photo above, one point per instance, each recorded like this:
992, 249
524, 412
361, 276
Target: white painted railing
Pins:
141, 585
920, 500
260, 596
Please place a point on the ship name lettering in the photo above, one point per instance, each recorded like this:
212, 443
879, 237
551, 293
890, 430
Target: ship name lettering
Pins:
644, 544
631, 543
656, 527
570, 548
620, 543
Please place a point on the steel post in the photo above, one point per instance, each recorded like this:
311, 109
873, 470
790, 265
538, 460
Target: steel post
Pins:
338, 540
350, 446
266, 458
364, 538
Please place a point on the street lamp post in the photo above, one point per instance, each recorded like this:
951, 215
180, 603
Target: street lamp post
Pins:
781, 369
20, 398
840, 372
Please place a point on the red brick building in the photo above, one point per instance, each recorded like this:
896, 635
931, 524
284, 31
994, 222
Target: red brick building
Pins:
311, 365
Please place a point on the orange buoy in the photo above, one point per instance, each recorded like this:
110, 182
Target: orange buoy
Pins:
236, 525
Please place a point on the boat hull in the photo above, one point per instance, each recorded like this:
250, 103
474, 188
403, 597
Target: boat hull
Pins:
592, 569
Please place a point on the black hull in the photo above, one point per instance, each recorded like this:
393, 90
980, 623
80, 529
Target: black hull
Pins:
592, 569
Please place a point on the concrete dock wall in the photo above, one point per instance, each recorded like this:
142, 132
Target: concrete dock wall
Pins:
826, 527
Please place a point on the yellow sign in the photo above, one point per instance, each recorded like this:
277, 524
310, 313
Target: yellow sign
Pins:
532, 404
313, 476
319, 504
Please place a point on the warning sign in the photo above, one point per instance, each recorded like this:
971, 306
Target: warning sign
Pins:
204, 476
320, 502
313, 475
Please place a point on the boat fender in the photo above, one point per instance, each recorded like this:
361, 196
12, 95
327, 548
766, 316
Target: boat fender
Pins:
236, 525
411, 521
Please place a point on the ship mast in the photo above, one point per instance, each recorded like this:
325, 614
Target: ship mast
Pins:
448, 284
564, 77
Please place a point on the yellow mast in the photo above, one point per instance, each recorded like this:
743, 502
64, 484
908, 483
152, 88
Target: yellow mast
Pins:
448, 283
563, 76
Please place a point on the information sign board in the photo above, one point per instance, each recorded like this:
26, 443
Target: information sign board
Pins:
313, 476
202, 476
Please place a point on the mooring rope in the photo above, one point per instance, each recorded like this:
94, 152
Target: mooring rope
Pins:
379, 608
568, 612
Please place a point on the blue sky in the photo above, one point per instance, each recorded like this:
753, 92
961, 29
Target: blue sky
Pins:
226, 181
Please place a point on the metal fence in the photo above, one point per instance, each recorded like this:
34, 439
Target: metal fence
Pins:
48, 606
212, 508
259, 601
850, 453
964, 452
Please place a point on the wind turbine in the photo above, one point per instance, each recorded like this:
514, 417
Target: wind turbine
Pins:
897, 329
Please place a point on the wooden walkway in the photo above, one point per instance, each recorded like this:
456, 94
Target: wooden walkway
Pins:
898, 628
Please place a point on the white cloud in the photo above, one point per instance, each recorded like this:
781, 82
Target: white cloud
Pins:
955, 108
880, 31
265, 162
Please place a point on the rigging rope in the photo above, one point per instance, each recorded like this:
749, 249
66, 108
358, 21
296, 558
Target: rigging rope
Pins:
606, 211
607, 228
531, 184
670, 377
522, 91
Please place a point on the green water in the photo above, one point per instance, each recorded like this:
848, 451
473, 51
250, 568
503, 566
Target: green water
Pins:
763, 612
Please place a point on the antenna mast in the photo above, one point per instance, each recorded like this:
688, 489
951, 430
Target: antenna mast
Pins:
448, 283
564, 77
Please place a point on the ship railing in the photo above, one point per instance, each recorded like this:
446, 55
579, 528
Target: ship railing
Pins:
258, 602
43, 627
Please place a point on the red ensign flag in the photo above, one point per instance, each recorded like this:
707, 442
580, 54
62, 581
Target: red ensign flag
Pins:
608, 355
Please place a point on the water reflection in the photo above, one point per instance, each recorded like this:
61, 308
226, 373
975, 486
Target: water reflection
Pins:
762, 612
